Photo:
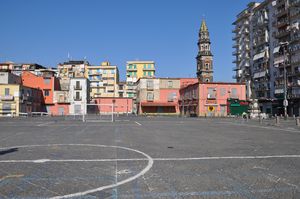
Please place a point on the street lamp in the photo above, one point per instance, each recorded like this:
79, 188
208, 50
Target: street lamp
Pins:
284, 45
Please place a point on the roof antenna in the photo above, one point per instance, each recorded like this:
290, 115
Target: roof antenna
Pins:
68, 56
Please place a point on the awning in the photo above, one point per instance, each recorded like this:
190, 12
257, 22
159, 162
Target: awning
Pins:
158, 104
279, 91
276, 50
259, 74
279, 60
259, 56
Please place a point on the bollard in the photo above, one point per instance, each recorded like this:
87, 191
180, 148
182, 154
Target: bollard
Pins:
294, 116
297, 121
260, 119
277, 120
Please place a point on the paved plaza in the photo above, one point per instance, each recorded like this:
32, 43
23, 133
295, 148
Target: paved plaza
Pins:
148, 157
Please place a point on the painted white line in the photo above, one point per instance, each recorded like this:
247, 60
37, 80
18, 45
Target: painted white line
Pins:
263, 127
80, 194
156, 159
138, 123
45, 123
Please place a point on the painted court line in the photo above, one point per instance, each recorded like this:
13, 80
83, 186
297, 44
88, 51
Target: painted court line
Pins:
45, 123
155, 159
263, 127
138, 123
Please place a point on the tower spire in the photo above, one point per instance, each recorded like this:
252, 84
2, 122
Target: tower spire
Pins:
204, 57
203, 26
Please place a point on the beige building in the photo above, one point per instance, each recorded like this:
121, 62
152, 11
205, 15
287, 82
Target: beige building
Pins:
136, 70
158, 96
72, 69
104, 80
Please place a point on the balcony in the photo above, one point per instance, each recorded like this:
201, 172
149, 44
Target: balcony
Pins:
282, 33
236, 68
77, 98
294, 3
7, 97
150, 87
62, 100
211, 96
236, 53
281, 12
77, 87
282, 23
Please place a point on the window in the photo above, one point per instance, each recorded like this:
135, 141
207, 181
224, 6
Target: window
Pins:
46, 92
170, 84
234, 93
77, 95
6, 91
149, 66
47, 81
222, 91
6, 106
145, 66
112, 71
150, 96
149, 84
206, 66
149, 73
211, 93
134, 66
134, 74
130, 66
171, 97
145, 73
77, 84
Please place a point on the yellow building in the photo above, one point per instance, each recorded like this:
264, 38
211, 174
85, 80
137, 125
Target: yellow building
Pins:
16, 99
9, 99
104, 80
136, 70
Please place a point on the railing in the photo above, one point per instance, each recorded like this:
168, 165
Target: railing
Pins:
77, 99
78, 87
7, 97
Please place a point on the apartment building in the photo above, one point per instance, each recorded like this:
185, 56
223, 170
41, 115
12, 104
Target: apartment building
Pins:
273, 56
136, 70
72, 68
15, 98
242, 43
18, 68
103, 79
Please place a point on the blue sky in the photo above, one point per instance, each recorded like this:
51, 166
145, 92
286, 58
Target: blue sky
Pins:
166, 31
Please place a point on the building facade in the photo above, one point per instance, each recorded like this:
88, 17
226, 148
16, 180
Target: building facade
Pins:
46, 82
18, 68
158, 96
209, 98
136, 70
79, 95
103, 79
273, 33
16, 100
204, 57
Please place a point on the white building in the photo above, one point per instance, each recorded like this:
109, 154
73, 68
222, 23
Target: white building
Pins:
79, 95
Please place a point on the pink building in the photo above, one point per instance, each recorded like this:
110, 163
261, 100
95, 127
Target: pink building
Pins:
159, 96
121, 105
209, 98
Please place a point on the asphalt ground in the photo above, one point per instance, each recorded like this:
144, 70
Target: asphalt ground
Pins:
149, 157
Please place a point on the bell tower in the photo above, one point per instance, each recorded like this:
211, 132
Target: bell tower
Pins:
204, 57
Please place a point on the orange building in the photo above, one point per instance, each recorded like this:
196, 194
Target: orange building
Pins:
47, 83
